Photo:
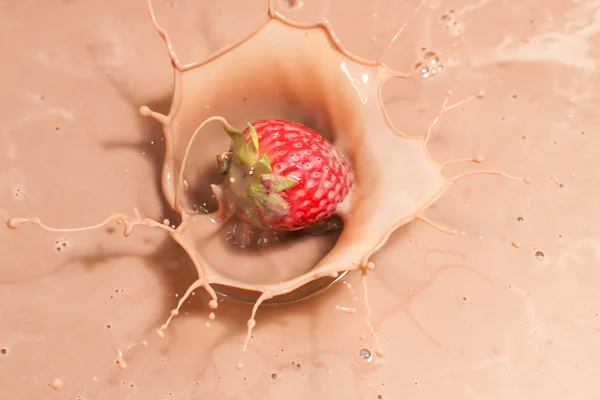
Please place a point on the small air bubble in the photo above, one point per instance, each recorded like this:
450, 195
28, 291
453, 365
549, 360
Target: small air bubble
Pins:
520, 219
274, 376
3, 351
539, 255
365, 354
292, 3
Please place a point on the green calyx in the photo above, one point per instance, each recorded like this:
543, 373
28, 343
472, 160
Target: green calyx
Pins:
251, 178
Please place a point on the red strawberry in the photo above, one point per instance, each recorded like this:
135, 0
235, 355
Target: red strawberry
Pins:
283, 175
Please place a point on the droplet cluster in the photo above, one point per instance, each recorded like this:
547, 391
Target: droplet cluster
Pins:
62, 245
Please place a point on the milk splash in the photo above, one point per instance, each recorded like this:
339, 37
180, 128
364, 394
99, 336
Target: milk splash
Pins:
396, 177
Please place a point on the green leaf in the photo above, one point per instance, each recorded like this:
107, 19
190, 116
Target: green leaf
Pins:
255, 191
254, 137
271, 204
251, 213
275, 205
281, 183
262, 166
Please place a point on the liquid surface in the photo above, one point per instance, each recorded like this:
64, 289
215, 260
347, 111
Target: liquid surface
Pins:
120, 289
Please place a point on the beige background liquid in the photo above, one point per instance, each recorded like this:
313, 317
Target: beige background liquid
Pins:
508, 311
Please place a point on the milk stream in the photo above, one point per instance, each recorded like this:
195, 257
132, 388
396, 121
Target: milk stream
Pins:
396, 177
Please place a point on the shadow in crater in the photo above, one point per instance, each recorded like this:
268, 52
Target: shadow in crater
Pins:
200, 195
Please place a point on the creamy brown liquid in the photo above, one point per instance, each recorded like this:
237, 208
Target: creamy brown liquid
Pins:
326, 84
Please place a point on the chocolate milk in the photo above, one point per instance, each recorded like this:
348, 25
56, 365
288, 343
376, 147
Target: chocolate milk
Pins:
422, 314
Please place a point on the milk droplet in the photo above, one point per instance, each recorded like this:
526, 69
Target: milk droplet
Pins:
365, 354
539, 255
56, 384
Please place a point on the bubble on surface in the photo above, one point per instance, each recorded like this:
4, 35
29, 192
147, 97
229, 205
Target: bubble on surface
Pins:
365, 354
430, 66
293, 3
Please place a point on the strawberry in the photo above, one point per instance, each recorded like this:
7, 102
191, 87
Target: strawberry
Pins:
283, 175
